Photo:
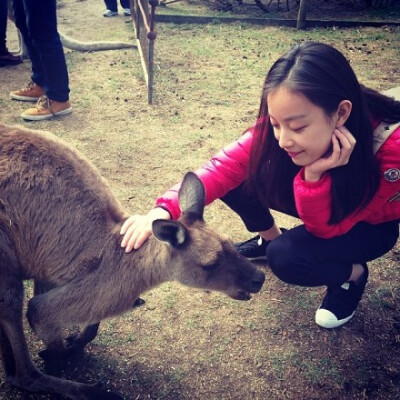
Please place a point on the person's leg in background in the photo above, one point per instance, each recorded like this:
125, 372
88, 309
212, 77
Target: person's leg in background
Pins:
49, 68
111, 8
35, 89
6, 58
126, 7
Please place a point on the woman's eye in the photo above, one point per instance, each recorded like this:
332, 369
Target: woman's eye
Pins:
298, 130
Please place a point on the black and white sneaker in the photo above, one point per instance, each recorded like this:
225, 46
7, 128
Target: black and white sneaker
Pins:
255, 248
340, 303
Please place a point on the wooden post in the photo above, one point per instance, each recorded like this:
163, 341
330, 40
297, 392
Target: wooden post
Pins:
301, 17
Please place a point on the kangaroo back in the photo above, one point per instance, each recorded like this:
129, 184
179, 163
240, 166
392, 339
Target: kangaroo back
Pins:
50, 193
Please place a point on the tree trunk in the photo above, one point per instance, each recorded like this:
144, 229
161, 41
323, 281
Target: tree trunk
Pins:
301, 17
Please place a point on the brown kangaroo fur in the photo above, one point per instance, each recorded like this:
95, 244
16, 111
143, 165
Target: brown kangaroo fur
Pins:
59, 226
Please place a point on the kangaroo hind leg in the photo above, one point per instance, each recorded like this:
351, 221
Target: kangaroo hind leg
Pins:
7, 355
13, 351
19, 368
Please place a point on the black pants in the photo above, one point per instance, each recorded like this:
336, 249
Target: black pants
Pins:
300, 258
3, 25
113, 6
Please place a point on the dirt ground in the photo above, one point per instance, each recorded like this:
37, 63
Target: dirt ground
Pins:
185, 344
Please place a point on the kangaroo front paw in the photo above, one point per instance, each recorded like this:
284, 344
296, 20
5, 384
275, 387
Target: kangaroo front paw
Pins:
74, 341
138, 302
49, 355
79, 340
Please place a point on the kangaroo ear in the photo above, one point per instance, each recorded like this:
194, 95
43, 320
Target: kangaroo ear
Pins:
171, 232
192, 196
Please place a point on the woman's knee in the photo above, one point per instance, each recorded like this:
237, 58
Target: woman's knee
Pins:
279, 256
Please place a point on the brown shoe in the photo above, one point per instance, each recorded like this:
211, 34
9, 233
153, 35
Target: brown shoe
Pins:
6, 58
32, 92
47, 109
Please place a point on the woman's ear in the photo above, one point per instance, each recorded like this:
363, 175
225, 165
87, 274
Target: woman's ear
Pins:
343, 112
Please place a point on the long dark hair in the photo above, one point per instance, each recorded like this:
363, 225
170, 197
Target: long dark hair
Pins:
324, 76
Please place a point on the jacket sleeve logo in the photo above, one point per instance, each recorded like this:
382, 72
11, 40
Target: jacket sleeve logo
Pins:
392, 175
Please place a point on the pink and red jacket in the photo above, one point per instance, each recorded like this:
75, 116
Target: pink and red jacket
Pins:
228, 169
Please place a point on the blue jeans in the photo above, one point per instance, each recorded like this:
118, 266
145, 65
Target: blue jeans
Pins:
37, 22
297, 257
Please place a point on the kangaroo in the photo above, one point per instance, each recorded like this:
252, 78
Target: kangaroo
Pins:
59, 226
